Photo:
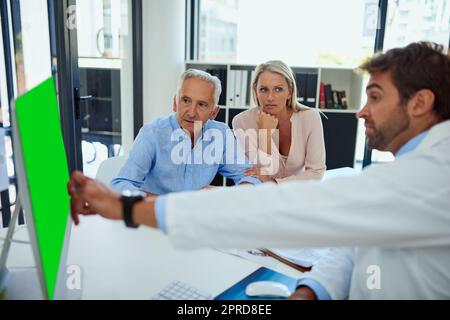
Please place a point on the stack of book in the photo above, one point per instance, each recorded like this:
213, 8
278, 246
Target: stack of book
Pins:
332, 99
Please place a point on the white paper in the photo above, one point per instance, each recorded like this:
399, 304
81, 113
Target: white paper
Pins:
341, 172
252, 255
4, 180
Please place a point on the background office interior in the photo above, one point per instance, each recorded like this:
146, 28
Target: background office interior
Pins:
116, 63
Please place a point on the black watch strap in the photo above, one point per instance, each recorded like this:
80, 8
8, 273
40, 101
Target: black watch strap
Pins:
128, 204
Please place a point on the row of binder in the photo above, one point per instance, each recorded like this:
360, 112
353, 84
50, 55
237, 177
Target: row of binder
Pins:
307, 88
239, 88
220, 73
236, 89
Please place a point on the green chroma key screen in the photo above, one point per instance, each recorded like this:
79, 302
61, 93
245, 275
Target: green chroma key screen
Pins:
47, 173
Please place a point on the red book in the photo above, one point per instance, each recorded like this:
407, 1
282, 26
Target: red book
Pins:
322, 96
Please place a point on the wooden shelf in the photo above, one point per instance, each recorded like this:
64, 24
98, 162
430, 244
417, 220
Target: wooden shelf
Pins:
340, 110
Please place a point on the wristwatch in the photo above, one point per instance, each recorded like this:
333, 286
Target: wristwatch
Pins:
129, 199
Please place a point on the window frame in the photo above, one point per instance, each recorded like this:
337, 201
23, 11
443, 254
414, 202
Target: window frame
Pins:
11, 88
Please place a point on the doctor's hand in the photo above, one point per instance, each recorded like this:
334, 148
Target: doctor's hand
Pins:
303, 293
90, 197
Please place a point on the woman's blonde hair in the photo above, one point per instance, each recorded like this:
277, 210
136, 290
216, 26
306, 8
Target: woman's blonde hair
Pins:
281, 68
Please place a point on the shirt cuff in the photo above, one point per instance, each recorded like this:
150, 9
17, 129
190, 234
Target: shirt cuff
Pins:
160, 214
320, 292
251, 180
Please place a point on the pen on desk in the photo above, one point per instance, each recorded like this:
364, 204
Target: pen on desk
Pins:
285, 261
257, 252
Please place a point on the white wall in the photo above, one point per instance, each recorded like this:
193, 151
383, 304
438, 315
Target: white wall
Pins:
164, 43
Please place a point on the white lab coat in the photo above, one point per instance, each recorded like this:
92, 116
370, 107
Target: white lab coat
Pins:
397, 215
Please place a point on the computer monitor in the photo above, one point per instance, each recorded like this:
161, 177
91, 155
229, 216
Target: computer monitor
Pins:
42, 172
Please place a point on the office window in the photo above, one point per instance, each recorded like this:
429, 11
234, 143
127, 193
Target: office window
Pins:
31, 47
300, 32
414, 20
99, 28
31, 64
4, 115
105, 65
31, 39
4, 105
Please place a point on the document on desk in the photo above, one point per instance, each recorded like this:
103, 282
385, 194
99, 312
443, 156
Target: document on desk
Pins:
4, 180
253, 255
304, 257
341, 172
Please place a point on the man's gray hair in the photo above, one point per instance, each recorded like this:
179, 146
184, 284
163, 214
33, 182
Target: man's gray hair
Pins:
199, 74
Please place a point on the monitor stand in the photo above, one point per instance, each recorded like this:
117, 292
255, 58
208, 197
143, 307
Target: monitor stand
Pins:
5, 275
21, 285
24, 284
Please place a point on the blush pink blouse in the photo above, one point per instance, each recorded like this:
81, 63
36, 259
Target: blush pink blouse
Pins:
306, 159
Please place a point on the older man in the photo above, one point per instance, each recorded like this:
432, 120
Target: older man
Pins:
185, 150
396, 215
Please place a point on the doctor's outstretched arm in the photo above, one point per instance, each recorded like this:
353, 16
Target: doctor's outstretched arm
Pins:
90, 197
342, 212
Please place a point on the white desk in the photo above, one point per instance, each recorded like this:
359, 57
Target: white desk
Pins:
121, 263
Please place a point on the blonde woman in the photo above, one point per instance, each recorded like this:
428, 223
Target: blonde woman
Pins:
289, 144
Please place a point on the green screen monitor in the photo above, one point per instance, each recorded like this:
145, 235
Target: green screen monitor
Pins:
42, 173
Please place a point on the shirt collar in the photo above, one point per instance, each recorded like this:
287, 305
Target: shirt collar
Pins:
174, 122
412, 144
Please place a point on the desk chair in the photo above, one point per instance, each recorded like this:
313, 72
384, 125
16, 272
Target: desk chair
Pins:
109, 169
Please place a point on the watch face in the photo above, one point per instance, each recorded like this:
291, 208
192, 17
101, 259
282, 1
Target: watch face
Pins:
133, 193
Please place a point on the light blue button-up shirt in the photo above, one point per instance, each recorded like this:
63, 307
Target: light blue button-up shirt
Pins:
162, 159
412, 144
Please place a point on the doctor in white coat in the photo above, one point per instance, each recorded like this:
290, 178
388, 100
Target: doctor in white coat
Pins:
396, 215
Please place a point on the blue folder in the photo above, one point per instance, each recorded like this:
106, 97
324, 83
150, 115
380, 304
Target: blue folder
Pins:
237, 291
